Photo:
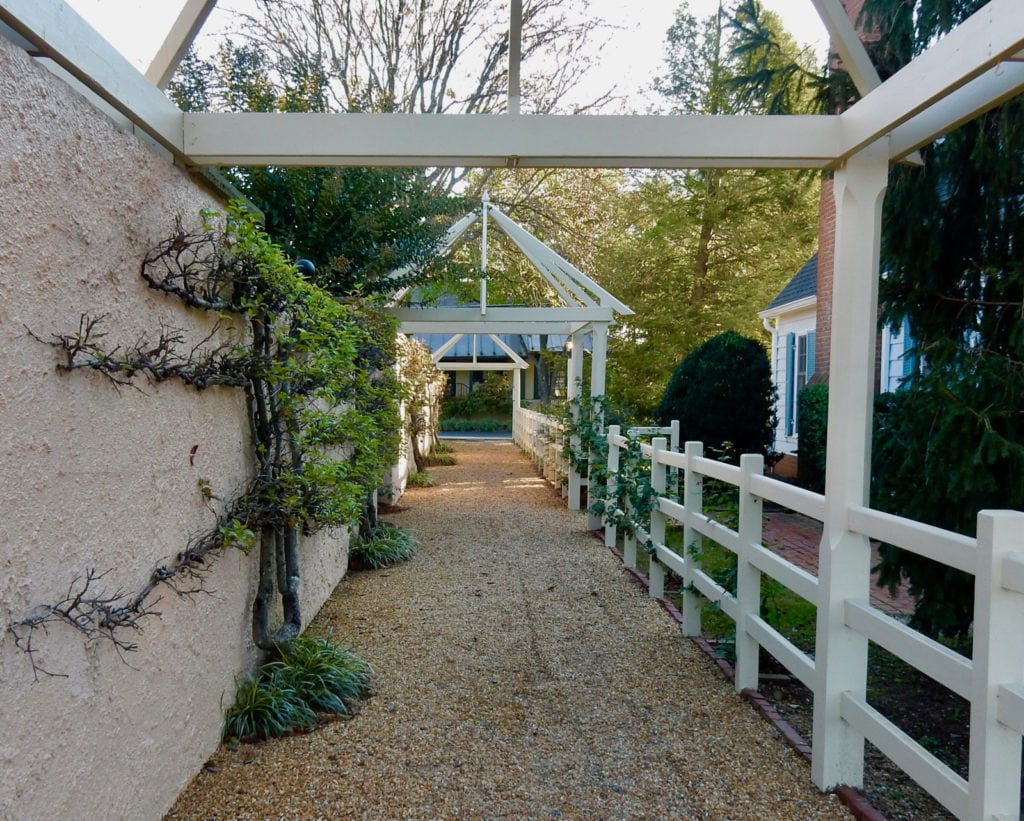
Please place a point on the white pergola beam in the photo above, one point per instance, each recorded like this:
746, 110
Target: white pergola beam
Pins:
851, 50
502, 314
482, 325
516, 358
515, 54
438, 355
571, 277
992, 35
994, 87
178, 40
487, 140
56, 31
481, 366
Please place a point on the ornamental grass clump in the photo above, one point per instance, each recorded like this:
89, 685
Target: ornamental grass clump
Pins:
390, 545
309, 678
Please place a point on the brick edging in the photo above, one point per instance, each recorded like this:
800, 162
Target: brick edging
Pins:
856, 802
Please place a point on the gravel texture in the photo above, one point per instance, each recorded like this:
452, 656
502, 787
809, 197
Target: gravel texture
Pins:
519, 674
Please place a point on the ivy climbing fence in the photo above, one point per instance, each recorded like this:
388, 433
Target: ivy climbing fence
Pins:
651, 486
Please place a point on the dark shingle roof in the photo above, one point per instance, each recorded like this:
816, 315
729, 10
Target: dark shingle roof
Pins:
803, 284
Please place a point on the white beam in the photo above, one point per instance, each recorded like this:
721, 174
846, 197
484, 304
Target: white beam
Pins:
485, 140
480, 366
848, 45
178, 41
485, 325
994, 87
60, 34
451, 236
438, 355
516, 358
560, 268
515, 54
525, 314
990, 36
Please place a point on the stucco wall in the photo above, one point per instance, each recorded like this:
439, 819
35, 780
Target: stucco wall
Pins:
95, 478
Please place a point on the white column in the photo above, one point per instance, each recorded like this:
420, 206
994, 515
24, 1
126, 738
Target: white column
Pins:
748, 577
659, 482
574, 369
997, 660
845, 559
517, 388
598, 370
693, 541
612, 490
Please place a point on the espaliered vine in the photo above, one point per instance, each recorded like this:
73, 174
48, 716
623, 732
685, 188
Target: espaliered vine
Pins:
322, 392
586, 446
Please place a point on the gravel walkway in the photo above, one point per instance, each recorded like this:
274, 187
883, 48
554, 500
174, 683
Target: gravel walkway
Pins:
520, 674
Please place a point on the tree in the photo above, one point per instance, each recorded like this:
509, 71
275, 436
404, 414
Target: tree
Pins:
429, 57
951, 443
722, 395
357, 224
700, 252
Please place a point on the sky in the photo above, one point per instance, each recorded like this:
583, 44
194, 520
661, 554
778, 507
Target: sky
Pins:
629, 60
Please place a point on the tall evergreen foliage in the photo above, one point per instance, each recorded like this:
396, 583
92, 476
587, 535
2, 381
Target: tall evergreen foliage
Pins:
952, 442
357, 224
700, 252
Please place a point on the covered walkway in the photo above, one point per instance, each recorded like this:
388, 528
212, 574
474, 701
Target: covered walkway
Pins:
520, 674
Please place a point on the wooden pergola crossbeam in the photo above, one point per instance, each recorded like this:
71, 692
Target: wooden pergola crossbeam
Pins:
469, 320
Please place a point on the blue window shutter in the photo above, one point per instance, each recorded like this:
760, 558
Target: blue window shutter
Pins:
810, 354
790, 376
909, 358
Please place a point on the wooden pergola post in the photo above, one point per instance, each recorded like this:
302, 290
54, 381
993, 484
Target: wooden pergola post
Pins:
844, 570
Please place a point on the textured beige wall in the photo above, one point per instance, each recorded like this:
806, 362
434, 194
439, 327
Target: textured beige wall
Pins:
96, 478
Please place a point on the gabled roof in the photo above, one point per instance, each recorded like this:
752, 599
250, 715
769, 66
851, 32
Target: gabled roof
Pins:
804, 284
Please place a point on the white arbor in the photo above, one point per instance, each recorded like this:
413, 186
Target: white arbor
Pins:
974, 68
584, 309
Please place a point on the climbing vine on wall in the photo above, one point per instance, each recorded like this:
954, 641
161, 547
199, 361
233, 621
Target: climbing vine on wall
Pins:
322, 393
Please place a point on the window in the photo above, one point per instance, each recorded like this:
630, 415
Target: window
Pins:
799, 370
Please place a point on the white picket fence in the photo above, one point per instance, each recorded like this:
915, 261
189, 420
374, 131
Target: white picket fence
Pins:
993, 681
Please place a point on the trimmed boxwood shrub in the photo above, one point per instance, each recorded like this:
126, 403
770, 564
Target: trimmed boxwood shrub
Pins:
722, 395
812, 423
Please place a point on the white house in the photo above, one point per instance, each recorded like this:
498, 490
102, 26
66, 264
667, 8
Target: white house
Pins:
791, 319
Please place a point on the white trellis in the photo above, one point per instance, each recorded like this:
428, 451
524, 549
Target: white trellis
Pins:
977, 66
585, 310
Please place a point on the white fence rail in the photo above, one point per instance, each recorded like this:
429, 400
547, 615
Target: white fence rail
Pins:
992, 681
543, 439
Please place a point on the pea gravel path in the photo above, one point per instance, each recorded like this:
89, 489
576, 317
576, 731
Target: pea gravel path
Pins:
520, 674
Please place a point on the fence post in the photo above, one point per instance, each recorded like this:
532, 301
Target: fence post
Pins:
673, 443
997, 659
748, 577
693, 501
656, 570
611, 495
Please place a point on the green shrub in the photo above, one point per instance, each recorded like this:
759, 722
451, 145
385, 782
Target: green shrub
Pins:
390, 545
477, 425
493, 395
307, 677
435, 459
812, 423
421, 478
324, 675
722, 395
